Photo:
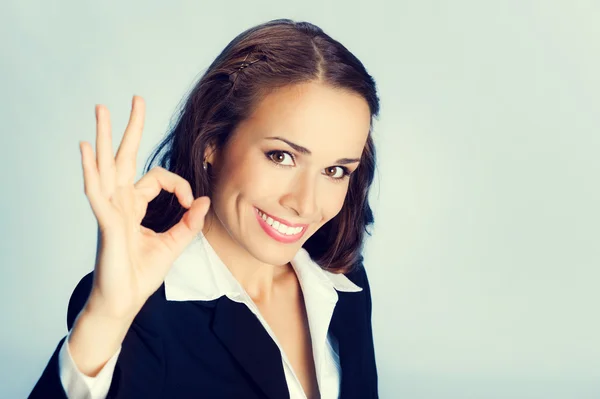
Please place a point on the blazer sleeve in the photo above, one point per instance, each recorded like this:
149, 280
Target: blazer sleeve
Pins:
79, 385
141, 346
49, 384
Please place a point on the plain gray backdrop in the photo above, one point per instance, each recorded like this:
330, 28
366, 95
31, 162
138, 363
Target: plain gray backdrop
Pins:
485, 253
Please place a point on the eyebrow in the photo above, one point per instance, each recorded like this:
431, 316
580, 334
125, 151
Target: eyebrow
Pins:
304, 150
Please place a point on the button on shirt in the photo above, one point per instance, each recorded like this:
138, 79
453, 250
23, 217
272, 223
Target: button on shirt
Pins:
198, 274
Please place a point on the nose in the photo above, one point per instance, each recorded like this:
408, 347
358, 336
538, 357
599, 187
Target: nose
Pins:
301, 196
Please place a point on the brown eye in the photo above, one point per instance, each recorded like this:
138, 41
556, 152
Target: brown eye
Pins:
279, 157
336, 172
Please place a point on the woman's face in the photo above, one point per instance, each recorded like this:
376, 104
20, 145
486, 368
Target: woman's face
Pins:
287, 163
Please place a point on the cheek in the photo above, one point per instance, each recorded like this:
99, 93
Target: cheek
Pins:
331, 207
251, 177
332, 202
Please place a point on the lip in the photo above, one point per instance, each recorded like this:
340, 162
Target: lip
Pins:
276, 234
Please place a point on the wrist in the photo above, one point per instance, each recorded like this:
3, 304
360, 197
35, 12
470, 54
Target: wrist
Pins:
97, 307
94, 339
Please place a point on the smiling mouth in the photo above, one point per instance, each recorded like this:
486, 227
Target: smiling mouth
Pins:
279, 227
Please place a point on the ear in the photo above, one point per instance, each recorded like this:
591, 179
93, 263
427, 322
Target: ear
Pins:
210, 154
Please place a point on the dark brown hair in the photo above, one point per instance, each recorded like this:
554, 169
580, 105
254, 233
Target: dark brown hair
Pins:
271, 55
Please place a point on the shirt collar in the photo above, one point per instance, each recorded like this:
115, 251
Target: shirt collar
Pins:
198, 274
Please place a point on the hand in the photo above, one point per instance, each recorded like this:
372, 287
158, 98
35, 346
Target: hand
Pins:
132, 260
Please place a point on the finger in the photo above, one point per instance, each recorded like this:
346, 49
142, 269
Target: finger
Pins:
147, 231
91, 181
158, 179
178, 237
128, 149
104, 153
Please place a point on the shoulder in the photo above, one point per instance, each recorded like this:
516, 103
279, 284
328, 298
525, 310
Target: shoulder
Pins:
358, 275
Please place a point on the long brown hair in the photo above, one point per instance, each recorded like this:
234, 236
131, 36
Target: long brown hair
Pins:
263, 58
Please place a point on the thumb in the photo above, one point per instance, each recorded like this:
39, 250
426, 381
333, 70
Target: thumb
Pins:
178, 237
196, 214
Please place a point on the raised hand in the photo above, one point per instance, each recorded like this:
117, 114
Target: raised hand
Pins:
132, 261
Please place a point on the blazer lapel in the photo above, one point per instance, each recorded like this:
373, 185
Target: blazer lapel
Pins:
249, 343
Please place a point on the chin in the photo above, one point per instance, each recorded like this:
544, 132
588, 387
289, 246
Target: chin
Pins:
274, 254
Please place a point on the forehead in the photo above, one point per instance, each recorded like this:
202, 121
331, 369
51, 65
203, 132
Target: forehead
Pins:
321, 118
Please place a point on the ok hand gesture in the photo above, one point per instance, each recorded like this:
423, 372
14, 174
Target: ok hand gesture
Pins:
132, 261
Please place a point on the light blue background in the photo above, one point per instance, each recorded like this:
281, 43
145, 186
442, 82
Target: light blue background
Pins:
484, 260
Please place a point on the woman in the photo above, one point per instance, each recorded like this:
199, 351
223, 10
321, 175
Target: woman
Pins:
263, 293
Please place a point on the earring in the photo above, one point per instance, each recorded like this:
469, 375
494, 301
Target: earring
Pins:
205, 165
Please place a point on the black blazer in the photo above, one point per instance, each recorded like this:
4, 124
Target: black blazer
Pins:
219, 349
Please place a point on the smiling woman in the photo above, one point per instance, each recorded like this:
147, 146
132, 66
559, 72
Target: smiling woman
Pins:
262, 294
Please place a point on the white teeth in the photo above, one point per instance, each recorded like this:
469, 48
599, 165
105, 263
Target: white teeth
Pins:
280, 227
291, 231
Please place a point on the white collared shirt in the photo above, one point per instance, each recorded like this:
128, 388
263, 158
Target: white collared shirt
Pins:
198, 274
